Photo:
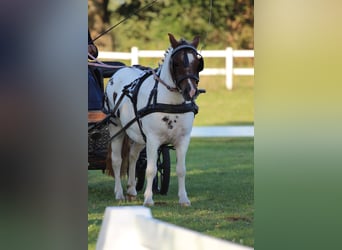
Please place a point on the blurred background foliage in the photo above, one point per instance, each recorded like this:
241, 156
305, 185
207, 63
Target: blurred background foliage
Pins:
220, 24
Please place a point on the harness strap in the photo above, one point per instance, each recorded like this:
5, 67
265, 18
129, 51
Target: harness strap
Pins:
123, 128
127, 92
151, 107
163, 108
169, 108
157, 78
179, 79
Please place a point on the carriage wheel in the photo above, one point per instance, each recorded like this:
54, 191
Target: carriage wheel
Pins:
140, 170
162, 180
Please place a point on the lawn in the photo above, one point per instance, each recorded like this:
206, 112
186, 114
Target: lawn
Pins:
220, 106
220, 184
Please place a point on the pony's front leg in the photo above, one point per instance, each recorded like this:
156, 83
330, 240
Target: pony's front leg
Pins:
133, 157
151, 170
181, 150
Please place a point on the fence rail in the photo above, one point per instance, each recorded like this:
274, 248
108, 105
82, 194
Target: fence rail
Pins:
229, 54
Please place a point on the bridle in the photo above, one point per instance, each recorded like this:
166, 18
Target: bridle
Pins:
177, 80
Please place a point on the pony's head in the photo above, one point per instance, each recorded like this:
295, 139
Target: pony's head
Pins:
185, 65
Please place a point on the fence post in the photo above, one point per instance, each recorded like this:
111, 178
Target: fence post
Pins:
229, 68
135, 56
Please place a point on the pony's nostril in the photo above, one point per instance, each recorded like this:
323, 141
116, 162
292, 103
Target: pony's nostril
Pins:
192, 92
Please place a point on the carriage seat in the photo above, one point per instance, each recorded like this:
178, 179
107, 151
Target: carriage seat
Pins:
95, 116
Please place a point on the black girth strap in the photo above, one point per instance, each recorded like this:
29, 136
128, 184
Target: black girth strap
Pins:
152, 107
166, 108
169, 108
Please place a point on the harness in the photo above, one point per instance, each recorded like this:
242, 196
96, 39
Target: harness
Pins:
132, 90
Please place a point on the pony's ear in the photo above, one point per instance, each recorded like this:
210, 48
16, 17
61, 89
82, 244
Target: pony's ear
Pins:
173, 41
195, 42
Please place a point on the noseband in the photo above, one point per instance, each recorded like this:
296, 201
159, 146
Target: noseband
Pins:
178, 80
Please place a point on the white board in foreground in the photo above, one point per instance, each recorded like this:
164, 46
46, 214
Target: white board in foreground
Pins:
133, 227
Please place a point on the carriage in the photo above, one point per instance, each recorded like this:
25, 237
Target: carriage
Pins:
98, 139
146, 112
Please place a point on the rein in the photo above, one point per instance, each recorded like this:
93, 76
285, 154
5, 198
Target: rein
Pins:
157, 78
98, 63
103, 65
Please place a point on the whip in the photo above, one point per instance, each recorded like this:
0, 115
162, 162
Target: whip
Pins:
124, 19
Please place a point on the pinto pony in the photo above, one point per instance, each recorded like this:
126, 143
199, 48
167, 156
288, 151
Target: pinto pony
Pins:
153, 108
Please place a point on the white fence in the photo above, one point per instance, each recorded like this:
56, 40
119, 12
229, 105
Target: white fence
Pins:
229, 54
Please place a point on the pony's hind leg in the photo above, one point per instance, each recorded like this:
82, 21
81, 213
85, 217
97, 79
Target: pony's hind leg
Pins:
116, 145
133, 157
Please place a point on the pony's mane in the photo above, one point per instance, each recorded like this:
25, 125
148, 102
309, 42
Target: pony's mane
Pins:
168, 53
170, 49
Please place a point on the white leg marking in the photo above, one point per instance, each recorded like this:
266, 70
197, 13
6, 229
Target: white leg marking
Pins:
151, 170
134, 154
181, 170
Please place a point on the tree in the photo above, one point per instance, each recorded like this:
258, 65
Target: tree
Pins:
99, 21
219, 23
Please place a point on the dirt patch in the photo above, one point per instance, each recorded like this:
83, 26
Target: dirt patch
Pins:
160, 203
238, 218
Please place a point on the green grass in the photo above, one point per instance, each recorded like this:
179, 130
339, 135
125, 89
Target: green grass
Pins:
219, 182
220, 106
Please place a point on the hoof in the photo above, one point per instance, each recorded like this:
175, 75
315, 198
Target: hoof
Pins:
149, 204
185, 204
131, 197
120, 198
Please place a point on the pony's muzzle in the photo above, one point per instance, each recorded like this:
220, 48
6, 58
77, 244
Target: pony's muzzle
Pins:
191, 91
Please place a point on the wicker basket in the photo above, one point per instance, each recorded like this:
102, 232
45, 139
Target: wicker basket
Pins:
98, 140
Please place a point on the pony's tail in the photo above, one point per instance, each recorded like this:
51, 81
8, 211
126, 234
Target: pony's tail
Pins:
124, 155
109, 169
126, 146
